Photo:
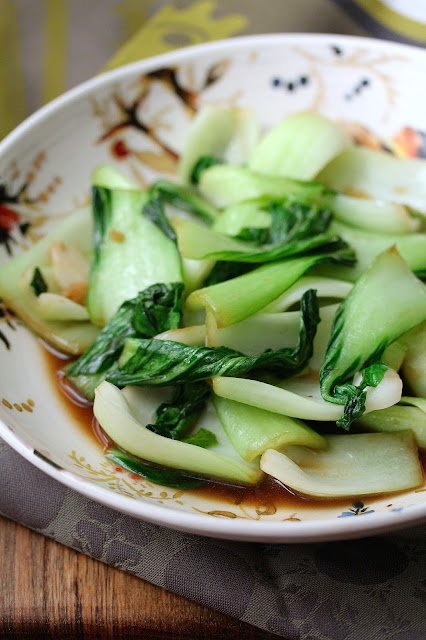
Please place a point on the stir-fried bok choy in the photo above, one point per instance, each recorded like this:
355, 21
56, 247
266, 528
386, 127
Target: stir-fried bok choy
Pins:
253, 316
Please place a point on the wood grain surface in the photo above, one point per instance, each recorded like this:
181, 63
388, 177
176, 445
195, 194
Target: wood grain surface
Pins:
51, 592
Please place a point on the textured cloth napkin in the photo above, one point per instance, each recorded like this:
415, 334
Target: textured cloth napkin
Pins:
369, 589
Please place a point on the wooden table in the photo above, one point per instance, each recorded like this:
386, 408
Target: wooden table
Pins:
49, 591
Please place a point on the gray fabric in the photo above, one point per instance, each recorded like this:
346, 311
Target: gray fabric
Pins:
368, 589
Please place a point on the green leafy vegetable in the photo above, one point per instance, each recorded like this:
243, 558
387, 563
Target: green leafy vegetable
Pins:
238, 298
291, 221
203, 163
202, 438
351, 465
154, 211
299, 146
38, 283
414, 363
224, 185
367, 246
378, 174
184, 198
225, 270
385, 302
252, 430
125, 424
154, 310
162, 362
131, 253
159, 475
284, 240
176, 417
158, 309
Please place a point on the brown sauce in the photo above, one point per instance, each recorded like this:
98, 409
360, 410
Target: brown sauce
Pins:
266, 496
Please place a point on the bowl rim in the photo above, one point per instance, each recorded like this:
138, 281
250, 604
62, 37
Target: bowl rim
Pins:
322, 529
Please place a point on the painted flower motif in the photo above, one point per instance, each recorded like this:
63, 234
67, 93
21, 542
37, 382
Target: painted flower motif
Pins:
357, 509
9, 218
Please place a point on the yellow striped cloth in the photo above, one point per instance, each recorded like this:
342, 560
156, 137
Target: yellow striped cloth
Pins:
48, 46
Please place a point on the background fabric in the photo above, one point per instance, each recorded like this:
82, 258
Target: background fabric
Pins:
368, 589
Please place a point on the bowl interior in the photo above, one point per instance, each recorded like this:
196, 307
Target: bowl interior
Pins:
136, 119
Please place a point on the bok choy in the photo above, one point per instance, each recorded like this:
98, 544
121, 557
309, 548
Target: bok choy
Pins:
360, 334
225, 322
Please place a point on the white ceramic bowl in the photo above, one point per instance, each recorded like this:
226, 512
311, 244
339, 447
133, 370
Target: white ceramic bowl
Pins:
376, 84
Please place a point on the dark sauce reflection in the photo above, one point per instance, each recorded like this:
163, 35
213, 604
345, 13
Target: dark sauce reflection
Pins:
266, 496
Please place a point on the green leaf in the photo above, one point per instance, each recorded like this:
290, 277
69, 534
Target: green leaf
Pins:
176, 417
288, 236
242, 296
154, 211
154, 310
158, 309
203, 163
38, 283
225, 270
202, 438
162, 362
291, 220
184, 198
107, 347
158, 475
386, 302
355, 395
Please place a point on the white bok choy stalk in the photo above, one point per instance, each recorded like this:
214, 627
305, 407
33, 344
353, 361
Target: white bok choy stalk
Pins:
368, 245
222, 133
252, 430
52, 319
414, 363
299, 146
351, 465
300, 397
386, 302
125, 425
271, 331
240, 190
238, 298
374, 215
331, 288
409, 413
379, 175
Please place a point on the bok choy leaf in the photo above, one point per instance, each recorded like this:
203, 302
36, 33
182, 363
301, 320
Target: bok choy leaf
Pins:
252, 430
296, 229
185, 198
355, 464
299, 146
379, 175
225, 133
174, 418
154, 310
238, 298
161, 362
385, 302
127, 430
38, 283
158, 475
131, 252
